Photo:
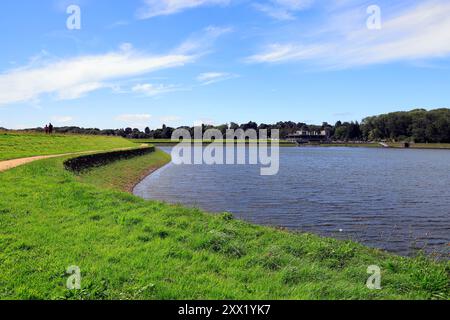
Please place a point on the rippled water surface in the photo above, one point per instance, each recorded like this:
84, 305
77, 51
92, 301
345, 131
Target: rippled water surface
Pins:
397, 200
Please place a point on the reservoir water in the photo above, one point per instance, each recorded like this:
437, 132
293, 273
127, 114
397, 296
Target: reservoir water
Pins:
392, 199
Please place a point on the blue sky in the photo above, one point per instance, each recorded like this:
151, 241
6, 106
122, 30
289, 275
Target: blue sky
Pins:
146, 62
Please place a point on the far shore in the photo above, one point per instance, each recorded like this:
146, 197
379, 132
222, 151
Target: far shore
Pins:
391, 145
285, 143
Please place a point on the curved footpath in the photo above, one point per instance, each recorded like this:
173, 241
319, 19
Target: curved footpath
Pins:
10, 164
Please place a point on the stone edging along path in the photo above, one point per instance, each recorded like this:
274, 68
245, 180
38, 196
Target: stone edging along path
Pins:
10, 164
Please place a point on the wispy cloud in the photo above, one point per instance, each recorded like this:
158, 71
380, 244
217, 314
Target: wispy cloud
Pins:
201, 43
282, 9
414, 33
289, 52
79, 90
154, 8
153, 90
74, 77
214, 77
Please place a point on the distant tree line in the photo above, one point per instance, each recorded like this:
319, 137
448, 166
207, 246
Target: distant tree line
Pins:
341, 131
418, 125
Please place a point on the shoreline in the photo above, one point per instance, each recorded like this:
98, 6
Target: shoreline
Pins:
150, 171
288, 144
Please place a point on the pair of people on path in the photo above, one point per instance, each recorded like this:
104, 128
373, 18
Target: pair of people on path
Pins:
48, 129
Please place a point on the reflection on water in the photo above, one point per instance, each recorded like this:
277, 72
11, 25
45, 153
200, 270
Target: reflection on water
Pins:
398, 200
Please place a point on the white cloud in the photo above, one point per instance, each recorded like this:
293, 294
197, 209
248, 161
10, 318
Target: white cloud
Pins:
274, 12
202, 42
74, 77
153, 90
289, 52
78, 91
419, 32
154, 8
283, 9
214, 77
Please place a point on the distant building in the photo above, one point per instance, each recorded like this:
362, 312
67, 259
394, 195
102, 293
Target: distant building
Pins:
306, 136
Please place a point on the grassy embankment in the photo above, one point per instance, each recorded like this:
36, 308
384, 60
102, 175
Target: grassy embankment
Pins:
128, 248
124, 175
21, 145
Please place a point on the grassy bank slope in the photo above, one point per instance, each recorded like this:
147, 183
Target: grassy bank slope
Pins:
124, 175
18, 145
128, 248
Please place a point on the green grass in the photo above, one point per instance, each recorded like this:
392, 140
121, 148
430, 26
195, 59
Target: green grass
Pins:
19, 145
126, 173
128, 248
